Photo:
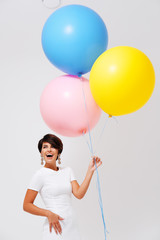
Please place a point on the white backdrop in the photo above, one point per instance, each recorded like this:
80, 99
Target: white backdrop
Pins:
129, 175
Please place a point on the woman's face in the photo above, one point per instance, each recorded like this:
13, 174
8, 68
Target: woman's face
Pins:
49, 153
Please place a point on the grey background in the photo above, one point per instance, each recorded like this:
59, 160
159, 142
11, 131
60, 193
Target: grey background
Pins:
129, 175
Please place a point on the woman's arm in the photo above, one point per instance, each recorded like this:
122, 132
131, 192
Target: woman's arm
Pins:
28, 205
53, 218
80, 190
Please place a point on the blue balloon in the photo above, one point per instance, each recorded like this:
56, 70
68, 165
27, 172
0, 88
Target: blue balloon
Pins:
73, 37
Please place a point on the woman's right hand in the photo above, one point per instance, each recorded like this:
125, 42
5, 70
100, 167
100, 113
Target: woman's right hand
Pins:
53, 220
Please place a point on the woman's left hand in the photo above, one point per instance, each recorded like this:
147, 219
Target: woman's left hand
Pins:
92, 166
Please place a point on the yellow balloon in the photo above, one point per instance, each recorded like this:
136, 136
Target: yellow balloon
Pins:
122, 80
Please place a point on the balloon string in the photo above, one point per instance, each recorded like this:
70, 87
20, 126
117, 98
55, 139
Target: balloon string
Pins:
102, 131
98, 182
54, 7
91, 147
100, 136
86, 141
116, 120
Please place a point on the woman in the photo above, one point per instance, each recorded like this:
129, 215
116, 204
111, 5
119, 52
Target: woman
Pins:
55, 185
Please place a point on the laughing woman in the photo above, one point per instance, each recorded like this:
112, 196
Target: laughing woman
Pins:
56, 185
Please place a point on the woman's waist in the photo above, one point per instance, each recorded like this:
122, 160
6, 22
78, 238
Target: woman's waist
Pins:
57, 200
63, 211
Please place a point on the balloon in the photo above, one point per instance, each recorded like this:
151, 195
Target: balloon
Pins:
122, 80
73, 37
63, 106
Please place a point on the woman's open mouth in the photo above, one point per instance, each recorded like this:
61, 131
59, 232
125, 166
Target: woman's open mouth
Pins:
49, 155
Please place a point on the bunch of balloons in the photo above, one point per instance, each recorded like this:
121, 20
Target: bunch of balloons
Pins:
75, 39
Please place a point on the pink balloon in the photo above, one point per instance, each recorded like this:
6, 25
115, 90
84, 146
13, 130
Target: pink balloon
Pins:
63, 107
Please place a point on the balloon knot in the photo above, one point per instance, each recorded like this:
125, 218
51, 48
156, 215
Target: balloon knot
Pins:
84, 131
80, 74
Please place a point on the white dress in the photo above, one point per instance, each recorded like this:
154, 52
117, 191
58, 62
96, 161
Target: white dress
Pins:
56, 191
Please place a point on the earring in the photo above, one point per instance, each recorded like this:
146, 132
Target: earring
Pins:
59, 159
42, 160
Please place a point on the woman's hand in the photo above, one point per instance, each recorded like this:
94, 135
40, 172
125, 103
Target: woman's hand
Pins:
92, 166
53, 220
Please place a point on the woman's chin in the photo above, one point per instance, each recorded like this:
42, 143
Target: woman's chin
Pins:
49, 160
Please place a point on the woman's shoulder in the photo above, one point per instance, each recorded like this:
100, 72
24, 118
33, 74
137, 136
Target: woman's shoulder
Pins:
69, 172
66, 168
39, 171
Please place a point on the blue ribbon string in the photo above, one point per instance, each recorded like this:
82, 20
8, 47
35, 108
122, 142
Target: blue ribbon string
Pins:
86, 141
100, 136
91, 150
